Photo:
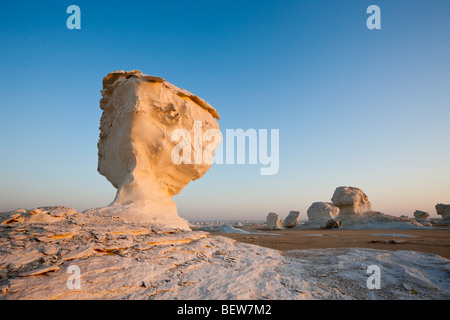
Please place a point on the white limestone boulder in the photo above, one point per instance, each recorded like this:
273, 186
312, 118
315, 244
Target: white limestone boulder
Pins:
274, 222
291, 221
322, 211
421, 216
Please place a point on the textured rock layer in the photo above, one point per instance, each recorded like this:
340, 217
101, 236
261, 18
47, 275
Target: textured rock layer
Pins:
292, 219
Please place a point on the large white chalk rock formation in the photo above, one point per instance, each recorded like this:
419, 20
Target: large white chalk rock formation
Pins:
143, 120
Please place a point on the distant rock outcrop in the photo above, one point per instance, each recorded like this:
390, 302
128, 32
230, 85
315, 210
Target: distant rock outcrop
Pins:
274, 222
351, 209
378, 220
321, 212
421, 216
140, 115
292, 219
444, 211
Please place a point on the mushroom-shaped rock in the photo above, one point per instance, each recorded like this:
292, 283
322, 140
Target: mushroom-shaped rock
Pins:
444, 211
292, 219
144, 119
351, 201
421, 216
274, 222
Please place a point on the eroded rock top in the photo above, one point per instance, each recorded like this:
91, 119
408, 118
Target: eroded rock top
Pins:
115, 78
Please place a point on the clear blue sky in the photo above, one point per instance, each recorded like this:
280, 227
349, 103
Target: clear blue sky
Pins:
359, 107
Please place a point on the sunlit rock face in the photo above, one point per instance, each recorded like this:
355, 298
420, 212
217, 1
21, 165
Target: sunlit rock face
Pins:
421, 216
274, 222
351, 202
141, 113
322, 212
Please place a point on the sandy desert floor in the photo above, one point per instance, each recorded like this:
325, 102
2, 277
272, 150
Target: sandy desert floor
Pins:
436, 241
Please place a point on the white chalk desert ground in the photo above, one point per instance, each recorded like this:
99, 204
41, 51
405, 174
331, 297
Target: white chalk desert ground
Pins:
132, 260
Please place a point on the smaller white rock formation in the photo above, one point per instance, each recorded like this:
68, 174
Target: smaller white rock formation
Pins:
292, 219
444, 211
421, 216
274, 222
321, 212
355, 212
351, 202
